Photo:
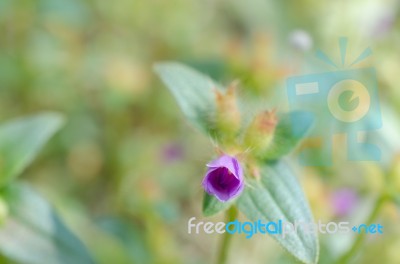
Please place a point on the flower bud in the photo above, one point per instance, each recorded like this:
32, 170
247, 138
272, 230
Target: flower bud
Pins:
260, 132
228, 115
224, 178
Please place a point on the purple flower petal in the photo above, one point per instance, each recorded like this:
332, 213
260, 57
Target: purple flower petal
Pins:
229, 162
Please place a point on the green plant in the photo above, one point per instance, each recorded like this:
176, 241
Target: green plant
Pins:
272, 191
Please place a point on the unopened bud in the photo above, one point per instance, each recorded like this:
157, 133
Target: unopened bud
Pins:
228, 115
261, 131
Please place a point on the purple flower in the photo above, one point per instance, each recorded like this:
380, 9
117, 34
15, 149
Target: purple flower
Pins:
224, 178
172, 152
383, 24
344, 201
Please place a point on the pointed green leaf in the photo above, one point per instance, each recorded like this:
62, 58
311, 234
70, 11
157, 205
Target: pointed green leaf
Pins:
194, 92
291, 129
212, 205
21, 139
277, 196
34, 233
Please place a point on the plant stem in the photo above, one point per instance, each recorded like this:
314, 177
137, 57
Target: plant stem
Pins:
230, 215
361, 237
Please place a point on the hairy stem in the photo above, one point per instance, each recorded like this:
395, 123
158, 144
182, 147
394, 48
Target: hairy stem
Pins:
231, 215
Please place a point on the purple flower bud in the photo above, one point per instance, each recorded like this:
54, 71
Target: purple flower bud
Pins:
224, 178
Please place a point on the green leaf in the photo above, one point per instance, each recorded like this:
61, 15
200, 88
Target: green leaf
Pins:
212, 205
34, 233
276, 196
194, 92
291, 129
21, 139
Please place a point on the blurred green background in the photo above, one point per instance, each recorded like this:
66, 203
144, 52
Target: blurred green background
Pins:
125, 171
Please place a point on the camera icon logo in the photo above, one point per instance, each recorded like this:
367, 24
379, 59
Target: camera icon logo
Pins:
344, 101
353, 110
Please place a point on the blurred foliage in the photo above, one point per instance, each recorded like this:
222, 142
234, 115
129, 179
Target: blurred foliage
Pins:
125, 170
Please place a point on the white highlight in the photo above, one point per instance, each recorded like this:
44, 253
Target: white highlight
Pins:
307, 88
